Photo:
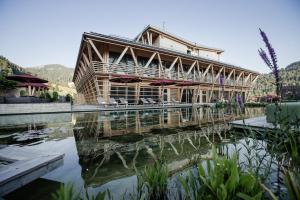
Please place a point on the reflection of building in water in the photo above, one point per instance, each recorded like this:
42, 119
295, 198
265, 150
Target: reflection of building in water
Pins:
107, 124
180, 134
111, 159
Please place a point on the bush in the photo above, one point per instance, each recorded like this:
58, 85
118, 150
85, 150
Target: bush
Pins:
68, 98
54, 96
23, 93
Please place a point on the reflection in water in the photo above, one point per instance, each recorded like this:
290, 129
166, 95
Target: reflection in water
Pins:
104, 149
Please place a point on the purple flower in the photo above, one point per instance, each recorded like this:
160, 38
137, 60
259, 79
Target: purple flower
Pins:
222, 80
272, 65
239, 100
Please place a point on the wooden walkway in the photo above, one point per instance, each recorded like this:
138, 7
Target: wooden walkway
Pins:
256, 123
25, 165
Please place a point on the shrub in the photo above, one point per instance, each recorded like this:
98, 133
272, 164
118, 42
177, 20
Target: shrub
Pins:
68, 98
222, 180
23, 93
54, 96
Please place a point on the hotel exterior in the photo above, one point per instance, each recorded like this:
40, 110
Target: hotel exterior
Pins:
194, 71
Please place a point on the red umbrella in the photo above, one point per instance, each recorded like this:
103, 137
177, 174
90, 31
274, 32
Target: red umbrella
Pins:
163, 82
26, 78
187, 83
124, 78
41, 85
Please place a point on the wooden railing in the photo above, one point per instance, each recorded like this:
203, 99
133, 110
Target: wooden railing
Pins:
153, 72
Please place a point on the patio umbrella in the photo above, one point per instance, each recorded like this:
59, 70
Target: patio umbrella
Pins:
124, 78
187, 83
162, 82
27, 78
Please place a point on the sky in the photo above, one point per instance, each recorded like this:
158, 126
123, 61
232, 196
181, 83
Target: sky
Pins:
38, 32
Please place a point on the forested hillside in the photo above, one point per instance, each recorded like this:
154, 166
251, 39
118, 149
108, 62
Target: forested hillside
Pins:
10, 67
54, 73
290, 76
59, 76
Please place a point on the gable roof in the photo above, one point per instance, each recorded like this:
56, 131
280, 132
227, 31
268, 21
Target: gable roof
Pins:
194, 44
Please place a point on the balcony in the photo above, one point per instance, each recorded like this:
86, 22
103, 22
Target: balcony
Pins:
156, 73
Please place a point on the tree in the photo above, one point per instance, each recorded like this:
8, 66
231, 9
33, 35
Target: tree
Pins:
6, 84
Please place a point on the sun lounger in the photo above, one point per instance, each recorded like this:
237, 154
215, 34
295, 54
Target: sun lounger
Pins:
101, 101
144, 101
174, 101
113, 102
150, 100
123, 101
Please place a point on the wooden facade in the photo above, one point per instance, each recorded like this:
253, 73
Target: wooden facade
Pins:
101, 56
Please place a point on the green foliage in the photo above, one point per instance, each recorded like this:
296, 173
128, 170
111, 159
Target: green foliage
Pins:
48, 96
7, 84
255, 104
23, 93
69, 98
155, 179
54, 96
54, 73
222, 180
9, 67
66, 192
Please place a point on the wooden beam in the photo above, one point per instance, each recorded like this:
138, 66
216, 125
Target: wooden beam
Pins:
173, 63
148, 37
206, 71
229, 76
134, 57
247, 78
192, 66
218, 74
96, 50
86, 59
121, 56
150, 59
238, 78
89, 52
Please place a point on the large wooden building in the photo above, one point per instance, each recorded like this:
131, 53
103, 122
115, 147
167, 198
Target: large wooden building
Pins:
194, 70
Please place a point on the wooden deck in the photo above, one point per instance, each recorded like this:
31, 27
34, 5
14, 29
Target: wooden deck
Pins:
25, 165
256, 123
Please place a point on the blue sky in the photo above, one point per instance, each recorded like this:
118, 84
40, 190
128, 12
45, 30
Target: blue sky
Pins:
37, 32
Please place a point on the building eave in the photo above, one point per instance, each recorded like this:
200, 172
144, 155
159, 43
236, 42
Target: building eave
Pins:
193, 44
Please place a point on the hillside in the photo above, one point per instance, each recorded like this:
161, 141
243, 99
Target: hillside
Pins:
10, 67
54, 73
290, 77
59, 76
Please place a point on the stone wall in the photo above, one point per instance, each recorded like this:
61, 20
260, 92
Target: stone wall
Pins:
28, 108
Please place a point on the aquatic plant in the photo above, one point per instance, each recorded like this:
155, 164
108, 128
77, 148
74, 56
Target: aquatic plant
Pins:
67, 192
272, 65
222, 179
155, 180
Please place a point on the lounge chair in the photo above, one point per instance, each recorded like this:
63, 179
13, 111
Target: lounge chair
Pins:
174, 100
163, 102
113, 102
101, 101
123, 101
144, 101
151, 101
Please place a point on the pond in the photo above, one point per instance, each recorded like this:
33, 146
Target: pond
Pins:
103, 150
